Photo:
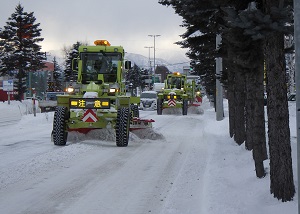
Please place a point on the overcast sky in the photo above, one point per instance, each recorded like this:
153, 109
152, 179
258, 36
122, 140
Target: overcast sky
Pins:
122, 22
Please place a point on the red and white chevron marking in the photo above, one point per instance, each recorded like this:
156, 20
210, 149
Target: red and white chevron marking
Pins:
89, 116
171, 103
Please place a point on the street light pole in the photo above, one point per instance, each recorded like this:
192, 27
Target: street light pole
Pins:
219, 88
150, 70
149, 57
297, 71
154, 54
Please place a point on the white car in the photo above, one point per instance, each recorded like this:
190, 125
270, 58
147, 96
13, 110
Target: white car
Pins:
148, 100
292, 97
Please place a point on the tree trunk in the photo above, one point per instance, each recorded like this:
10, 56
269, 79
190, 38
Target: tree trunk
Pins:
20, 84
255, 121
259, 134
281, 172
231, 108
250, 114
239, 123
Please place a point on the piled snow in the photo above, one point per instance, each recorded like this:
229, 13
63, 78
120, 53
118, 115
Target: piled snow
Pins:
148, 133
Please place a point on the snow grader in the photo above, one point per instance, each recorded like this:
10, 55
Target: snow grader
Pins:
178, 93
98, 99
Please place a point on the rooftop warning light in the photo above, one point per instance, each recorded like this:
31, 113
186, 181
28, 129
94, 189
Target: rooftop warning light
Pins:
102, 42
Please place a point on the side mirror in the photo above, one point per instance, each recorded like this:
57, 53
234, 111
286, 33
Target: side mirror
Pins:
75, 65
127, 64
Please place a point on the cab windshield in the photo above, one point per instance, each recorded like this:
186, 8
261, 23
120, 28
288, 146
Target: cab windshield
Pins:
148, 95
175, 82
100, 63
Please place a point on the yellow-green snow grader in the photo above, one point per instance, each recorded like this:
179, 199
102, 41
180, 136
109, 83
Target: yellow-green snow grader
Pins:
177, 93
99, 98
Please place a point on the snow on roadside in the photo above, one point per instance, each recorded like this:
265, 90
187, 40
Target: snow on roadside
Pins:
231, 183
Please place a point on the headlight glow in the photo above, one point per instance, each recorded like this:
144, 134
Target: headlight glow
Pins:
70, 90
112, 90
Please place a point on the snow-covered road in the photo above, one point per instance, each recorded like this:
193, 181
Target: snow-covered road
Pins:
185, 164
156, 173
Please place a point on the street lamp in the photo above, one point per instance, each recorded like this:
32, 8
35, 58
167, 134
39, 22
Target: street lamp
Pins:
149, 56
154, 54
150, 70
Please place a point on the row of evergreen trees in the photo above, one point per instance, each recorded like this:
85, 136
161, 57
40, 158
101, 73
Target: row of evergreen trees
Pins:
252, 45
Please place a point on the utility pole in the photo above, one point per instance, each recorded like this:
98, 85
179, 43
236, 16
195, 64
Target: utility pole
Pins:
297, 70
149, 57
219, 88
154, 54
150, 70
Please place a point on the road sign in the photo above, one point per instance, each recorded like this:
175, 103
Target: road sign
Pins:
8, 85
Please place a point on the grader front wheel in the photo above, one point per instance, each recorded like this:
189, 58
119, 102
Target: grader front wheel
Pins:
59, 132
159, 106
184, 107
122, 127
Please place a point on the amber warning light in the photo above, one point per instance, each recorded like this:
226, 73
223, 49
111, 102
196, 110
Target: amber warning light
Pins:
102, 42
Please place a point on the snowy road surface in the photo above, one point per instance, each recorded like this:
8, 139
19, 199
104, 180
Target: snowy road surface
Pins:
94, 176
184, 165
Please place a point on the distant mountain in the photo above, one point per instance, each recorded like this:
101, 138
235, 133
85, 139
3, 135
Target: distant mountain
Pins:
173, 63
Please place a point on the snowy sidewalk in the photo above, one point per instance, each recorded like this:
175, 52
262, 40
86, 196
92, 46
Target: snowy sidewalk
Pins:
12, 113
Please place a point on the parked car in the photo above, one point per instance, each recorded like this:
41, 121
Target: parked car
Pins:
148, 100
292, 97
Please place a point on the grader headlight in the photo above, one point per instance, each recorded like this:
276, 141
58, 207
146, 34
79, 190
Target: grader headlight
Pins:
70, 90
172, 96
112, 90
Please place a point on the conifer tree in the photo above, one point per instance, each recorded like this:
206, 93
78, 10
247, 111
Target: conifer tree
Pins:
2, 66
21, 52
278, 19
199, 20
145, 75
57, 76
134, 77
71, 53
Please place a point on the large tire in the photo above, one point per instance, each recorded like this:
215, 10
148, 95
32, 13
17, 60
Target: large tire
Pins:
159, 106
122, 127
184, 107
134, 110
59, 132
